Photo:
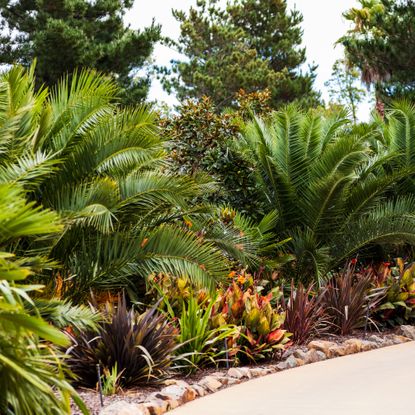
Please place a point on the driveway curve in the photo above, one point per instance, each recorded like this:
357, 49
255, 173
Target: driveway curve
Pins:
379, 382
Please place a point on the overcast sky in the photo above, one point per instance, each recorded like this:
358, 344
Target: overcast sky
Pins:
323, 25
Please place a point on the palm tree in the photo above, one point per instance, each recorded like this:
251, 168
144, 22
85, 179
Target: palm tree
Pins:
33, 377
102, 169
331, 191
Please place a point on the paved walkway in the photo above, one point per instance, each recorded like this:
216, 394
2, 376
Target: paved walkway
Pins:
379, 382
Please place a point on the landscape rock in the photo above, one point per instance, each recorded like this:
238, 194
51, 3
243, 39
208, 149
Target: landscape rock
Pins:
289, 363
232, 381
337, 351
353, 346
179, 393
259, 371
376, 339
236, 373
397, 339
322, 346
179, 382
407, 331
368, 345
210, 383
313, 356
246, 371
287, 353
301, 354
199, 390
124, 408
321, 355
156, 406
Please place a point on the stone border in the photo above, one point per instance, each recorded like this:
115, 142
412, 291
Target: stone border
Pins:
178, 392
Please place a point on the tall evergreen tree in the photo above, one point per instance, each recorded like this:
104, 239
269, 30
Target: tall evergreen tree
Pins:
250, 44
345, 87
382, 45
65, 34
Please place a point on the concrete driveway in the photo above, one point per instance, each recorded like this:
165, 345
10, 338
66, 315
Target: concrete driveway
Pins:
379, 382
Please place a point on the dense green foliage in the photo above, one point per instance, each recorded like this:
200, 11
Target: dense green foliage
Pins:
382, 45
226, 224
101, 168
32, 371
202, 142
66, 35
330, 190
202, 343
251, 44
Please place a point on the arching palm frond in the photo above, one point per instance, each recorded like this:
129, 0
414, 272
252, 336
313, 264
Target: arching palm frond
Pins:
333, 194
101, 168
32, 372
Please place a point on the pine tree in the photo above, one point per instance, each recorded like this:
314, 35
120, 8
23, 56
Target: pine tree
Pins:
382, 45
66, 34
251, 44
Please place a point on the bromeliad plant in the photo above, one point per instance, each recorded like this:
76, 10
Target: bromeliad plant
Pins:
261, 335
172, 292
202, 342
140, 346
398, 305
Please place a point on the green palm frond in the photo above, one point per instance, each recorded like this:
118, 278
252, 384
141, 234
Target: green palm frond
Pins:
175, 251
324, 180
18, 218
32, 370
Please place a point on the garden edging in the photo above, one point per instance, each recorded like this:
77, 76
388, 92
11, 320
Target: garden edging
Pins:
178, 392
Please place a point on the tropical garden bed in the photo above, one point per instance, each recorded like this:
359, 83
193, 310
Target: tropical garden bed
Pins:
121, 266
180, 390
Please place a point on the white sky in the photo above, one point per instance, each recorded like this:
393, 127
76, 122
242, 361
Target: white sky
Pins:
323, 25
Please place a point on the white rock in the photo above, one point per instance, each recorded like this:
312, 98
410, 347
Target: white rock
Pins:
124, 408
210, 383
407, 331
199, 390
234, 372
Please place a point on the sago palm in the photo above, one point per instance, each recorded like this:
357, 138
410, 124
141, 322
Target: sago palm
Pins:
331, 191
101, 168
32, 371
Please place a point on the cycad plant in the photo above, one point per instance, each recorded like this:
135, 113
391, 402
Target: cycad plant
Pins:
398, 135
33, 377
331, 191
101, 168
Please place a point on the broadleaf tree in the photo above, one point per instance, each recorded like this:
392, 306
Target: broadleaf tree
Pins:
67, 34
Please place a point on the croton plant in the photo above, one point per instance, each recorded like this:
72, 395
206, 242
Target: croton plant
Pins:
398, 305
258, 318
